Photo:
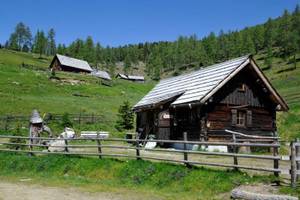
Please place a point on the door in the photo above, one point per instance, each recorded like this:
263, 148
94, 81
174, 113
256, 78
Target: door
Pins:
164, 125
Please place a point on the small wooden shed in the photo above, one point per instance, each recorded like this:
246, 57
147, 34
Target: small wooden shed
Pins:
133, 78
101, 74
65, 63
233, 95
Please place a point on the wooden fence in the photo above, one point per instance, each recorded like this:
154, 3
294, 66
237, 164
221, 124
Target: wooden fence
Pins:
133, 148
9, 120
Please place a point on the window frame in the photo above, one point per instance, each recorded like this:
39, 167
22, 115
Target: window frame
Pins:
242, 87
241, 117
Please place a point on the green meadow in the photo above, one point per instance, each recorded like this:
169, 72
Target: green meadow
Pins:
23, 89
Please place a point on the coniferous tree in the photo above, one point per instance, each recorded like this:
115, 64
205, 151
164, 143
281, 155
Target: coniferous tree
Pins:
127, 64
89, 50
40, 43
268, 59
258, 38
269, 34
125, 117
23, 35
13, 42
157, 64
284, 33
248, 44
294, 35
20, 37
98, 54
51, 47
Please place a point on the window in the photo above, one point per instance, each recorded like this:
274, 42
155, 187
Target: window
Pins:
242, 88
241, 118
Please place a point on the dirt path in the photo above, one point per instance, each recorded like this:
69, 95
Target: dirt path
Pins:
22, 191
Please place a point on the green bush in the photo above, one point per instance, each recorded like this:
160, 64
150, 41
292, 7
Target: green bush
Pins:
65, 121
17, 140
125, 117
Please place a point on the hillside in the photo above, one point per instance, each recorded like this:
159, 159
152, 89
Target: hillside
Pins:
24, 89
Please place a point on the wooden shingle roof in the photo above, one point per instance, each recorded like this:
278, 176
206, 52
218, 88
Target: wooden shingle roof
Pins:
199, 86
101, 74
74, 62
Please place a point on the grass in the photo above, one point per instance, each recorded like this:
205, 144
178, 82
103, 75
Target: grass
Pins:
288, 85
23, 90
167, 181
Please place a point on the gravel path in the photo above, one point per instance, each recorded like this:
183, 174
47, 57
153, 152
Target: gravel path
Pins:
22, 191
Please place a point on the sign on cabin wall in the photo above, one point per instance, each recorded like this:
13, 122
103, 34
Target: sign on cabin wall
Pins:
164, 119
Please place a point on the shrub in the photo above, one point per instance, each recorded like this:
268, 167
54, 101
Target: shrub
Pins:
125, 117
17, 140
65, 121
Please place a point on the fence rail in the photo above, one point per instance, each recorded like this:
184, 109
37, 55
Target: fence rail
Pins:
133, 149
7, 121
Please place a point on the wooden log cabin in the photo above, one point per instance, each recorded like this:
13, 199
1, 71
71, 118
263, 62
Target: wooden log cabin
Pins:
65, 63
233, 95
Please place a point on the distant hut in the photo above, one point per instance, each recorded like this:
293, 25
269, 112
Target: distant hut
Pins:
101, 74
132, 78
233, 95
104, 76
65, 63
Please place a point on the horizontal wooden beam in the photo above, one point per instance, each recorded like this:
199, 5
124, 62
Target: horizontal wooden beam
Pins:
147, 140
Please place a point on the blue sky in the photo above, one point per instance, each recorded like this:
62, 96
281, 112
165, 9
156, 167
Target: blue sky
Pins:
119, 22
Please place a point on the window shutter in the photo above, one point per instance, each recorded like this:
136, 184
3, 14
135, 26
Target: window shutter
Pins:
233, 117
249, 118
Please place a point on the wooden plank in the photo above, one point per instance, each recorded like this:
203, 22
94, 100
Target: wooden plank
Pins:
185, 154
266, 157
148, 157
162, 141
293, 165
297, 159
66, 146
251, 136
276, 165
137, 147
286, 158
99, 147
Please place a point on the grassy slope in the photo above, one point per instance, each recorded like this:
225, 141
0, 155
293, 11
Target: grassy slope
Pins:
164, 181
288, 85
22, 90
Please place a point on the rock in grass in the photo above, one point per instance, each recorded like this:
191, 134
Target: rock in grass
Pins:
237, 193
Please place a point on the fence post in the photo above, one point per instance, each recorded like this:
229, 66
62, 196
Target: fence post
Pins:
235, 150
99, 146
30, 142
137, 146
185, 154
66, 145
30, 146
276, 162
6, 123
297, 157
79, 118
293, 165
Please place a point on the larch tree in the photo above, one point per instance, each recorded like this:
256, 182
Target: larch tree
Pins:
51, 47
127, 64
40, 43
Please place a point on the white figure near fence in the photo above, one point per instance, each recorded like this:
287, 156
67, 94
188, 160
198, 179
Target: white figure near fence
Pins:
37, 127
